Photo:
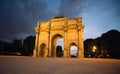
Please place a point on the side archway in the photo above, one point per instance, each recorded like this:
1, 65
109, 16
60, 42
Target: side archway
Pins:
73, 50
42, 50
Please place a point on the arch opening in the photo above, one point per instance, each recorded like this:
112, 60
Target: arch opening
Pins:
42, 50
73, 50
57, 46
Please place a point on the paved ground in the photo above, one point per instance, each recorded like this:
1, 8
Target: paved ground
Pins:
30, 65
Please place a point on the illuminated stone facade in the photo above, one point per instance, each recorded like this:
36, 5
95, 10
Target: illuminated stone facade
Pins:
48, 32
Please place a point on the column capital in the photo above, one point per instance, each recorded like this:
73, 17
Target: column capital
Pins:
79, 28
48, 31
65, 29
37, 32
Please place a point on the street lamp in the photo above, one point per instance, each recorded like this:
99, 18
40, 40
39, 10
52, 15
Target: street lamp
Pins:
94, 48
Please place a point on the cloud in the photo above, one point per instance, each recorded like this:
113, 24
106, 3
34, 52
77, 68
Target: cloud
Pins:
72, 8
20, 16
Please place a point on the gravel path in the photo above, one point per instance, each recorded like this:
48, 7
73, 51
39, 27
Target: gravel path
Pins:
30, 65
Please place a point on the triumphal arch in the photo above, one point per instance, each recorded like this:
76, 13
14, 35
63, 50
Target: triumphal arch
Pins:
48, 32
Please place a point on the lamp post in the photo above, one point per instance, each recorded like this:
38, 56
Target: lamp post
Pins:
94, 50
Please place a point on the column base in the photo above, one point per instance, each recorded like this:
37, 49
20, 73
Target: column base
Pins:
66, 54
34, 53
80, 54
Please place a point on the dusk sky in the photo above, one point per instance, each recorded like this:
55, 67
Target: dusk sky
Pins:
18, 18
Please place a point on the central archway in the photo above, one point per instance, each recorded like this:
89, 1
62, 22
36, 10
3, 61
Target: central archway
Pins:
56, 50
59, 48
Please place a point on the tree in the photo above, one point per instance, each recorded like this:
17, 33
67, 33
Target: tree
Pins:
16, 45
4, 47
88, 43
28, 45
107, 44
110, 42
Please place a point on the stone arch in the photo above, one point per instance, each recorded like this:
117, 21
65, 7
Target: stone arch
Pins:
73, 44
42, 50
53, 44
48, 32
